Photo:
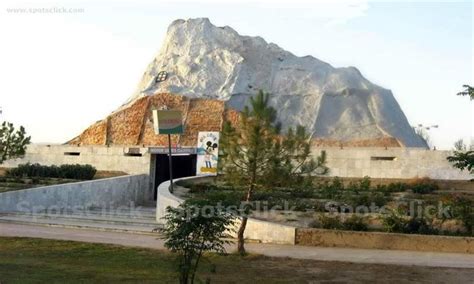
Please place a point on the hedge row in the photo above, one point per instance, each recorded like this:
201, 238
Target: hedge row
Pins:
81, 172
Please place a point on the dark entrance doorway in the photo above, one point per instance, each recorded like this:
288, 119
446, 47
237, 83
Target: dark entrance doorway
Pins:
183, 165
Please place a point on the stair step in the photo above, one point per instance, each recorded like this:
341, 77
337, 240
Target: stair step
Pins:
91, 213
83, 218
141, 228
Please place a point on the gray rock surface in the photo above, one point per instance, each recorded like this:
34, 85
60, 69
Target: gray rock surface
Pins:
206, 61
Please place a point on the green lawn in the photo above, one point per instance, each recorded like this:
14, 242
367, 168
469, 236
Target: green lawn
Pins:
26, 260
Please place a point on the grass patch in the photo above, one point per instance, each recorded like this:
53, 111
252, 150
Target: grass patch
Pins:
27, 260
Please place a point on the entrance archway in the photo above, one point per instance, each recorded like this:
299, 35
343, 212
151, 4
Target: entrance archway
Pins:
183, 165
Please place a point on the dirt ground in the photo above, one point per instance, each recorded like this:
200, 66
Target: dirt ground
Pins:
343, 272
108, 174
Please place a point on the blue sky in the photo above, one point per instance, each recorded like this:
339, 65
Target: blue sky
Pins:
62, 71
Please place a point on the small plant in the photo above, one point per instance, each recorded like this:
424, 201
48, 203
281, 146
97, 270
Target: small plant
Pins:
364, 184
331, 189
395, 222
355, 223
462, 208
396, 187
190, 231
419, 225
423, 186
327, 222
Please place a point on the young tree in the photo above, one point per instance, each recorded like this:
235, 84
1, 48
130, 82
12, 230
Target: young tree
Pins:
469, 91
192, 229
12, 142
463, 159
255, 155
423, 134
459, 145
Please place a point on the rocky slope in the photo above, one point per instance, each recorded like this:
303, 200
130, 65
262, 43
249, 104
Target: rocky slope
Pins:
336, 105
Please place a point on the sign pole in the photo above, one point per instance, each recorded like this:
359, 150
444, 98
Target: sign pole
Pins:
170, 163
168, 122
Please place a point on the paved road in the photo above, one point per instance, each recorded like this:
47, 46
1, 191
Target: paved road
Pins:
302, 252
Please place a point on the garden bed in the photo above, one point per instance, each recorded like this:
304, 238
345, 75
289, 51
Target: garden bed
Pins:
355, 205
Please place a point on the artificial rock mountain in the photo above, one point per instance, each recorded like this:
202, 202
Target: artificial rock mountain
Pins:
213, 71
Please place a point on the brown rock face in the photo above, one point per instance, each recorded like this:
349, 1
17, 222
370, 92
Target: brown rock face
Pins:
133, 125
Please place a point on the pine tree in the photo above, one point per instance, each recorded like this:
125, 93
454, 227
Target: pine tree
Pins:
255, 155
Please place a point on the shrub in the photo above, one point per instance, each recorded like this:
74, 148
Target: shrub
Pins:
225, 198
423, 186
337, 184
82, 172
331, 189
394, 222
396, 187
364, 184
333, 223
303, 192
462, 208
419, 226
355, 223
199, 187
304, 205
366, 199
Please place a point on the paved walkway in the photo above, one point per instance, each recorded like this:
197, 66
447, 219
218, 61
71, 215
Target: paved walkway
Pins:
302, 252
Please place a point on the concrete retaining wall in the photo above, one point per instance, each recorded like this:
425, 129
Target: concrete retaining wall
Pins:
258, 230
109, 192
164, 198
345, 162
101, 157
406, 163
376, 240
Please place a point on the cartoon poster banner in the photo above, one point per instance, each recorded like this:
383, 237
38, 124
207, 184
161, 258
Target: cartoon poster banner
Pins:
207, 153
